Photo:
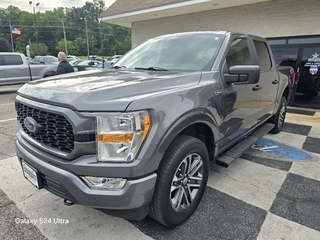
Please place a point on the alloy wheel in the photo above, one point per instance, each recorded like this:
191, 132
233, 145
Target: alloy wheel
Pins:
186, 182
282, 115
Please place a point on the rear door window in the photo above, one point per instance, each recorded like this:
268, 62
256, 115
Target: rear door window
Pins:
263, 56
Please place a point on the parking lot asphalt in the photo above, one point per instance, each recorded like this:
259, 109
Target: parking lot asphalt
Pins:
255, 198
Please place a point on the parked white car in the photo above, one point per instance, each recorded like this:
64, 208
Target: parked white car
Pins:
72, 57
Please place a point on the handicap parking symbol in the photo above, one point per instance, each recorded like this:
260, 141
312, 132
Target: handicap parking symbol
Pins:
271, 149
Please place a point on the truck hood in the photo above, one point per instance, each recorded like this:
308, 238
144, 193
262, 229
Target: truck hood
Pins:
104, 90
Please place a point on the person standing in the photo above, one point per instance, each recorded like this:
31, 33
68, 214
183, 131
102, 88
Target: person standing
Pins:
64, 66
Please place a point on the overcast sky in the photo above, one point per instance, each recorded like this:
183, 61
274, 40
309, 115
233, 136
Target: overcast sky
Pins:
47, 4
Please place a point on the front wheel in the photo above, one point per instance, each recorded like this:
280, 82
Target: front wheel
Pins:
279, 117
182, 178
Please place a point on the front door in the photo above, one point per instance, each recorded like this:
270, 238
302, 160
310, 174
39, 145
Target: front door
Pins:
241, 101
16, 70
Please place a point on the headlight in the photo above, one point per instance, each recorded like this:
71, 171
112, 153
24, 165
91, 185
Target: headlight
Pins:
119, 136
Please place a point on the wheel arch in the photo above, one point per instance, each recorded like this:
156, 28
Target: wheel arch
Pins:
48, 74
198, 125
286, 93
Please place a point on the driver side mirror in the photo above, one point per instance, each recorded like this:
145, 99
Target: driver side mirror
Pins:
246, 74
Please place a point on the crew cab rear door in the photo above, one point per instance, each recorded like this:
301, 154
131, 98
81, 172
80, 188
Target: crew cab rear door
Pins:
17, 70
3, 77
269, 78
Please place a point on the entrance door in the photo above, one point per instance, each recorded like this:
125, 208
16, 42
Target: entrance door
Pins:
305, 60
309, 79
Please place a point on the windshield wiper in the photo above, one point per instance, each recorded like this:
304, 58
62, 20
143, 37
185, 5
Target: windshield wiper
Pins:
118, 67
151, 68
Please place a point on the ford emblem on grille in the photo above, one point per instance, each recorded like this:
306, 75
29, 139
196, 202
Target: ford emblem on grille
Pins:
31, 124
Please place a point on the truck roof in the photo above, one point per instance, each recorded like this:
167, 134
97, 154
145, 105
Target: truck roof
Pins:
11, 53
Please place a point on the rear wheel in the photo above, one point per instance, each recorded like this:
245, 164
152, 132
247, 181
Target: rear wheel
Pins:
182, 178
279, 117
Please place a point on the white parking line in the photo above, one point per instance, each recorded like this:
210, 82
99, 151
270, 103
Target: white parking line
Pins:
6, 104
7, 120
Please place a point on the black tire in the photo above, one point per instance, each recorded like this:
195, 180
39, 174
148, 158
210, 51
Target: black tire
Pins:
279, 117
165, 208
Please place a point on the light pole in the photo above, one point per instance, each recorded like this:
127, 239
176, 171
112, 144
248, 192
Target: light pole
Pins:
85, 20
35, 22
64, 35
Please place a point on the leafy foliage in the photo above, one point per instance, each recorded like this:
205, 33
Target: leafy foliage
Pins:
103, 38
5, 46
43, 49
61, 46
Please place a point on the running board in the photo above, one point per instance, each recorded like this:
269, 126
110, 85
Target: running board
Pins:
227, 157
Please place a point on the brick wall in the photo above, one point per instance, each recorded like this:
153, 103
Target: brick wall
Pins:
269, 19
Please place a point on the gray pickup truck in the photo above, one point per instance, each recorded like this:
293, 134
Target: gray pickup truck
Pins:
15, 69
137, 139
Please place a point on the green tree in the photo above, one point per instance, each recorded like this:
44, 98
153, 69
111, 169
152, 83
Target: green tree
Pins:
43, 49
61, 46
80, 44
5, 45
25, 25
104, 38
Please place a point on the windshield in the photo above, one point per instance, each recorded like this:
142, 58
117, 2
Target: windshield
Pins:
187, 52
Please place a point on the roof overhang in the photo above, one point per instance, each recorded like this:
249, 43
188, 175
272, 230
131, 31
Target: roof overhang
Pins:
192, 6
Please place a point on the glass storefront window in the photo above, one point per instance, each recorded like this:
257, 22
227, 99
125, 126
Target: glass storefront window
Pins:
310, 57
285, 56
277, 41
300, 40
303, 40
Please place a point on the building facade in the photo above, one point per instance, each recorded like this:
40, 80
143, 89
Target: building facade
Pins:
290, 25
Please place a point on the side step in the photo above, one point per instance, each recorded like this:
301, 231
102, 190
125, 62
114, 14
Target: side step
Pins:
227, 157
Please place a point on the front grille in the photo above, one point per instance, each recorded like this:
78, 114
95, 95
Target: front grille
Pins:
54, 130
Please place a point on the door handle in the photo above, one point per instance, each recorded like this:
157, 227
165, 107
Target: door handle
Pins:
275, 81
256, 88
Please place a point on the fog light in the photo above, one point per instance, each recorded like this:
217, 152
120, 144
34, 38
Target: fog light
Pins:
104, 183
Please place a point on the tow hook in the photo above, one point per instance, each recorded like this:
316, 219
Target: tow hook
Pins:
68, 202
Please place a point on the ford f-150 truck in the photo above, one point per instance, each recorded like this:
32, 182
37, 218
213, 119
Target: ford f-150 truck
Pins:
15, 69
137, 139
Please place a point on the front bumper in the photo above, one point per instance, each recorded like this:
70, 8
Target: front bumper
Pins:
130, 202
